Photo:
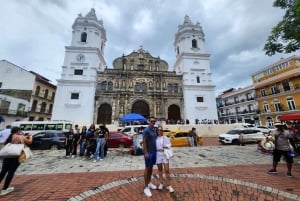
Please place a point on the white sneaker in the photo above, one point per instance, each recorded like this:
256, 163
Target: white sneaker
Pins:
147, 192
94, 161
171, 190
160, 187
6, 191
11, 188
152, 186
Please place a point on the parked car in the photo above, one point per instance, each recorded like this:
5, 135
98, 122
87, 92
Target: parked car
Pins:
132, 129
49, 139
233, 136
179, 138
137, 147
118, 139
263, 129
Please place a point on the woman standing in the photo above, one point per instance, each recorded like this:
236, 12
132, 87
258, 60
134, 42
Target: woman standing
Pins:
10, 165
162, 142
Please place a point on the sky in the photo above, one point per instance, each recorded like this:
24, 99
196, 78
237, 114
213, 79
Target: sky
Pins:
34, 33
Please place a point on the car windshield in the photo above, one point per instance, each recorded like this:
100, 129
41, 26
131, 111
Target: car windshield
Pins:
233, 132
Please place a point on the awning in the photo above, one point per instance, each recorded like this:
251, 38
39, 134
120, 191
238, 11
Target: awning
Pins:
286, 117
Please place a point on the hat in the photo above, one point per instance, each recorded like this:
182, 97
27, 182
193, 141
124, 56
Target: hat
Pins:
267, 143
278, 124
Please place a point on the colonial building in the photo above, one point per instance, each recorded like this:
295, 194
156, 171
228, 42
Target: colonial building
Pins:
277, 89
29, 98
89, 92
238, 106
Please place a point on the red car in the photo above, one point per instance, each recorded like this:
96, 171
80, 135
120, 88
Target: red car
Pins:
118, 139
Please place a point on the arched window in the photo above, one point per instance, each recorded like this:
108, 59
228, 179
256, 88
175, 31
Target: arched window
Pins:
110, 86
103, 86
198, 79
46, 93
83, 37
137, 87
194, 43
37, 91
170, 88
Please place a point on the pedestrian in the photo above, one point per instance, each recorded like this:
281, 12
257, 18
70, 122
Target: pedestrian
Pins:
163, 142
102, 136
195, 136
90, 141
191, 138
10, 165
82, 141
76, 134
69, 142
149, 146
282, 148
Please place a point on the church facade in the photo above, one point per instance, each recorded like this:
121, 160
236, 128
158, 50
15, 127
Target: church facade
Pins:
89, 92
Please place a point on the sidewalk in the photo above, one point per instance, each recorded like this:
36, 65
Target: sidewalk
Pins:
202, 173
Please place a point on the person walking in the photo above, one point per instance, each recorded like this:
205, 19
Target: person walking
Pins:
10, 165
191, 138
149, 146
162, 142
282, 148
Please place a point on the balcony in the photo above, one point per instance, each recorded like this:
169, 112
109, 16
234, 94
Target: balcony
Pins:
13, 112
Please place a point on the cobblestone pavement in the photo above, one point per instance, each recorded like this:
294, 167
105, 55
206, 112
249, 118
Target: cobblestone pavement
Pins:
214, 173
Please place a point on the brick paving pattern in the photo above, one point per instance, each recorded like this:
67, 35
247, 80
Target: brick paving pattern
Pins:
209, 183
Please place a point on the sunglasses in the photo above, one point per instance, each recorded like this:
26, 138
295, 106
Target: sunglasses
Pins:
152, 121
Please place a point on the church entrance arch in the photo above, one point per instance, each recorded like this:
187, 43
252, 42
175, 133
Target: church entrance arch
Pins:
104, 114
141, 107
173, 113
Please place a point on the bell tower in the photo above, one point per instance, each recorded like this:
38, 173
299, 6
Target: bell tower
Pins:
193, 63
74, 99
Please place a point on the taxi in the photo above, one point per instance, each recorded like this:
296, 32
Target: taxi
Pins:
179, 138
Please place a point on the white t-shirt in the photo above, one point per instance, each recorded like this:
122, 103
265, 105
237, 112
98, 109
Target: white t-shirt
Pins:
4, 135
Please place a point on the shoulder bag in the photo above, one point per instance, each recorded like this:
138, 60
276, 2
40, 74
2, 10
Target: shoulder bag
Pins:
11, 150
168, 150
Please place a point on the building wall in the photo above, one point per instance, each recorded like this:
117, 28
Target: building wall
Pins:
277, 89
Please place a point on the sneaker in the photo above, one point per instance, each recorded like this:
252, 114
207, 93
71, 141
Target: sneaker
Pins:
6, 191
94, 161
170, 189
288, 174
160, 187
11, 188
272, 171
152, 186
147, 192
101, 159
73, 156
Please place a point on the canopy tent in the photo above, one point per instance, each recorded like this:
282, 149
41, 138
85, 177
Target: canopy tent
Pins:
132, 117
286, 117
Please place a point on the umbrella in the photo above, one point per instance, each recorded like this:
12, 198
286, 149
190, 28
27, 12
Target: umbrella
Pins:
132, 117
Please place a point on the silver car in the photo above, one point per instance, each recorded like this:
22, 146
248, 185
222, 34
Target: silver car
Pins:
241, 136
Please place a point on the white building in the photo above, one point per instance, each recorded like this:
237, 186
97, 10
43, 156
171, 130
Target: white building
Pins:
238, 106
75, 93
193, 63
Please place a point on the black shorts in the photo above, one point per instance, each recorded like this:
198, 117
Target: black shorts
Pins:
278, 153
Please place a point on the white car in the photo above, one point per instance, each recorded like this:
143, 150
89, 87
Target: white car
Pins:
264, 129
132, 129
246, 134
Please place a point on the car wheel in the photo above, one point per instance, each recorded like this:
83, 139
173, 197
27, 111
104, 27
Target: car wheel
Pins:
54, 147
236, 142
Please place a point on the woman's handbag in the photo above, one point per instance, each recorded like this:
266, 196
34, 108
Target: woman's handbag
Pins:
168, 151
11, 150
25, 154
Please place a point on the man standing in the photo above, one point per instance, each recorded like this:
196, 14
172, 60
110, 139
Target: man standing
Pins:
149, 145
195, 136
282, 147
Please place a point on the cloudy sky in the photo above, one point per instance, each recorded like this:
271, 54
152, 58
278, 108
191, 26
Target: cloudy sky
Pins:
34, 33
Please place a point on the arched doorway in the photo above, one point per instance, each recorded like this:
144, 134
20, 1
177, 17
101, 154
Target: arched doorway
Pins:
173, 113
141, 107
104, 114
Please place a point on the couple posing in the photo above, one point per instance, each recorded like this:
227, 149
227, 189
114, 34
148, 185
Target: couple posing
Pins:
154, 143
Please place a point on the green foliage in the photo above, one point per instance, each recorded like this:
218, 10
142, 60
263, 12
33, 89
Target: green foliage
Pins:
285, 36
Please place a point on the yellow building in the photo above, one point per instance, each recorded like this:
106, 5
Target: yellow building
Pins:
277, 89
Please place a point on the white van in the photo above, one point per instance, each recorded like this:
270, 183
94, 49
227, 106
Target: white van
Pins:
132, 129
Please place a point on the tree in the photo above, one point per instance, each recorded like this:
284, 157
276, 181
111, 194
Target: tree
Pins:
285, 36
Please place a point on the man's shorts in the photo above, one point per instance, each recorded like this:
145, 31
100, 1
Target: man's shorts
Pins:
151, 160
278, 153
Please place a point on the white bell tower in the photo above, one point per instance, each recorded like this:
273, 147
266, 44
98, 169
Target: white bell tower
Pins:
75, 94
193, 63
